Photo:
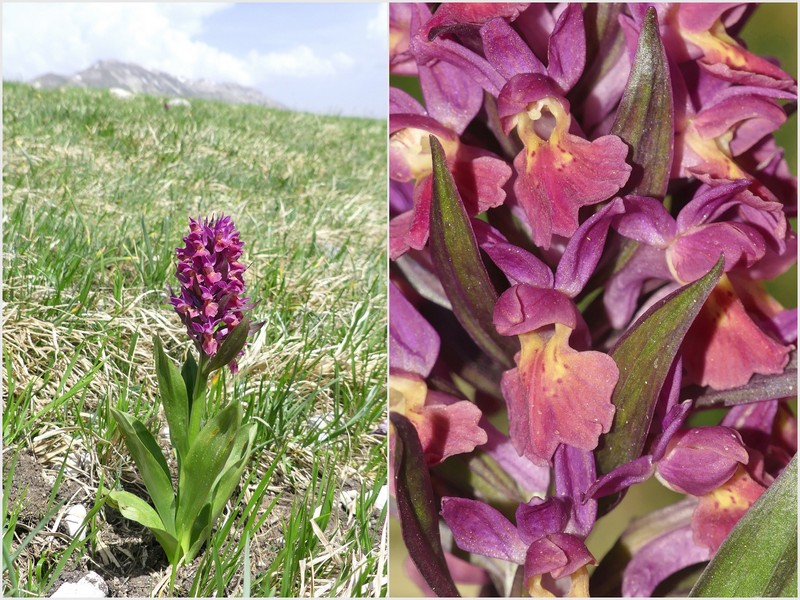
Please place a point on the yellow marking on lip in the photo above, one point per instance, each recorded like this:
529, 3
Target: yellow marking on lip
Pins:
414, 145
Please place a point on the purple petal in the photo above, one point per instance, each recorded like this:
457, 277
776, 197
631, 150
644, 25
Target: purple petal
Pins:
566, 53
753, 421
531, 478
483, 530
711, 201
463, 59
507, 52
646, 220
536, 24
665, 412
523, 308
401, 196
750, 118
659, 559
622, 290
519, 265
413, 343
622, 477
694, 254
454, 16
584, 250
451, 97
559, 554
539, 518
698, 461
401, 102
674, 419
574, 473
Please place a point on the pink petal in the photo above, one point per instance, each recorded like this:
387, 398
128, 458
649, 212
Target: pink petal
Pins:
558, 395
720, 510
724, 347
559, 179
449, 426
411, 229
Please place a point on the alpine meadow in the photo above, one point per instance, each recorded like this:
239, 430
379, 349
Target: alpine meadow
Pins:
98, 192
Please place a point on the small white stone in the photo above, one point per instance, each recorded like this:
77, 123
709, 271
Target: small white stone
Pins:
321, 423
175, 102
383, 497
73, 519
348, 498
90, 585
120, 93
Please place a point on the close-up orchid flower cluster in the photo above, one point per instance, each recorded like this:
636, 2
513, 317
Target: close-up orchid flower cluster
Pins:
586, 203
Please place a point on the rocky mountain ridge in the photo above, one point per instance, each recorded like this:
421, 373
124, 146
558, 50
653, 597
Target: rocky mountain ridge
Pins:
139, 80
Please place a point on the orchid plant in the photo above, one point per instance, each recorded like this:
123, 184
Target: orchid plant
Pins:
210, 450
583, 215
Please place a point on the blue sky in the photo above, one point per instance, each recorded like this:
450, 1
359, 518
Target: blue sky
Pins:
326, 58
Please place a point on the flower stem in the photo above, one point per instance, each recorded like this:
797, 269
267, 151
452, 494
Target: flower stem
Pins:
198, 399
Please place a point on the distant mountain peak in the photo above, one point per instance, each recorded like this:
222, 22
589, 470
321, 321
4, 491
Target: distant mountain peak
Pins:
111, 73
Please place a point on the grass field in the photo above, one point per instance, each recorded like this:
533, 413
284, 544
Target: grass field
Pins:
97, 193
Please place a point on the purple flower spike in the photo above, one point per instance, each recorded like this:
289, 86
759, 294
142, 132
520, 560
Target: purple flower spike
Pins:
210, 301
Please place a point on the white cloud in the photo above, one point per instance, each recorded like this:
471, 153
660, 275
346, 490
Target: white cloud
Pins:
300, 62
64, 38
378, 25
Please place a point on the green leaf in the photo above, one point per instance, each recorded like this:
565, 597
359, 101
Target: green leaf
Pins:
458, 262
174, 398
134, 508
759, 556
207, 456
644, 355
644, 119
233, 469
232, 345
416, 507
151, 464
201, 530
